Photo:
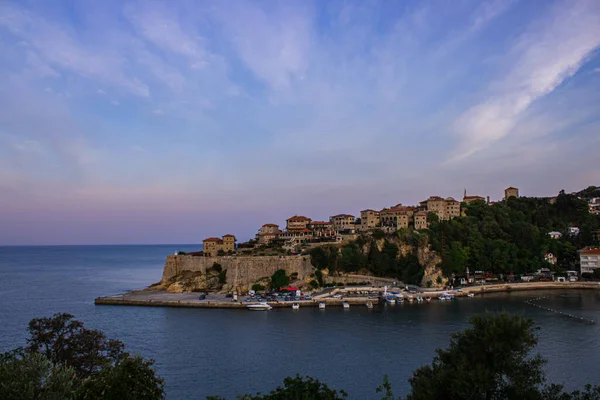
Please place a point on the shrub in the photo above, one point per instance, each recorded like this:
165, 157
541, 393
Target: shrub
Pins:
258, 287
217, 267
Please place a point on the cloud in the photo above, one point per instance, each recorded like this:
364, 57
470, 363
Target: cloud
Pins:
546, 55
100, 91
115, 103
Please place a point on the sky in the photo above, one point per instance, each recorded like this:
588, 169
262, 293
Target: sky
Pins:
125, 122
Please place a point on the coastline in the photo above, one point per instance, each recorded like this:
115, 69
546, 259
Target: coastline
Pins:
155, 298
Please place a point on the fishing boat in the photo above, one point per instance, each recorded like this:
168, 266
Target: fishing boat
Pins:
321, 306
295, 306
259, 307
369, 305
390, 300
346, 305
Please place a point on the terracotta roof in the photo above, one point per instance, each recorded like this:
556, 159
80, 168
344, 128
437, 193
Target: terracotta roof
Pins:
421, 213
298, 218
590, 252
305, 230
396, 209
509, 188
212, 239
271, 225
228, 235
368, 209
473, 198
343, 216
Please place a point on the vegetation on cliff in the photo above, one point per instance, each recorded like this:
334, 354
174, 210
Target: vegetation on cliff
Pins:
500, 238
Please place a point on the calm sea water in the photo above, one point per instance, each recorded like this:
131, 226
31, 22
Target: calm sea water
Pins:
231, 352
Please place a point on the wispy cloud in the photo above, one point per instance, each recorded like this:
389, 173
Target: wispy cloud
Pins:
549, 52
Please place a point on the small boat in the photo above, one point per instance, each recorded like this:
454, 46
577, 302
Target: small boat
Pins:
259, 307
471, 295
428, 299
295, 306
346, 305
390, 300
321, 306
411, 299
369, 305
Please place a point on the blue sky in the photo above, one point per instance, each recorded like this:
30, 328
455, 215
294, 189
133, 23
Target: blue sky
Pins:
166, 122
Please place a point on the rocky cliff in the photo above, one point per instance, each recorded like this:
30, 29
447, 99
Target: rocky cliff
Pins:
190, 273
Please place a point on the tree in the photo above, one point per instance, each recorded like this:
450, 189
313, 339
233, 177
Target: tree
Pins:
279, 279
489, 361
60, 349
300, 388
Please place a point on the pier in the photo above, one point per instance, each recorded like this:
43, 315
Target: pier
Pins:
155, 298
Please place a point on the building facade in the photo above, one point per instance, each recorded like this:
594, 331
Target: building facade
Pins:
321, 229
267, 233
511, 192
420, 219
343, 223
213, 245
369, 219
297, 222
445, 209
589, 260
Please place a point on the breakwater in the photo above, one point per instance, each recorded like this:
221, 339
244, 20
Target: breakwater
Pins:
191, 300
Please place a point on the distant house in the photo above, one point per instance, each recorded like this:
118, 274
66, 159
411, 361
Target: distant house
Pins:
420, 219
343, 223
321, 229
369, 219
267, 233
589, 260
573, 231
297, 222
555, 235
550, 258
211, 246
511, 192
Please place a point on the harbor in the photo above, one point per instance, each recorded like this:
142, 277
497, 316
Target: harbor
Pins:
335, 297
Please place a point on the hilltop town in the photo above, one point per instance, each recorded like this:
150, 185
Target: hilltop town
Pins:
301, 230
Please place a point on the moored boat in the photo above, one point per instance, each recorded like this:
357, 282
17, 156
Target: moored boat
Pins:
322, 306
295, 306
346, 305
369, 305
471, 295
390, 300
428, 299
259, 307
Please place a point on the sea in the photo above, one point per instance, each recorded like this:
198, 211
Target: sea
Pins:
202, 352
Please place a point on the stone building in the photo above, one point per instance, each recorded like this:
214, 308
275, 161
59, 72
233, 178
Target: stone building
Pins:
321, 229
511, 192
267, 233
420, 220
343, 223
395, 218
211, 246
471, 199
369, 219
445, 209
297, 222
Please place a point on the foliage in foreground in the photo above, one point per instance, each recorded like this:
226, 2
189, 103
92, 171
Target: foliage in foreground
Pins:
491, 360
65, 360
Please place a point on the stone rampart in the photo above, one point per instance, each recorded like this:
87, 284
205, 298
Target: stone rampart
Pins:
241, 270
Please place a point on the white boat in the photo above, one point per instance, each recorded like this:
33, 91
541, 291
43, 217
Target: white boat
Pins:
446, 297
346, 304
428, 299
471, 295
369, 305
295, 306
322, 306
259, 307
390, 300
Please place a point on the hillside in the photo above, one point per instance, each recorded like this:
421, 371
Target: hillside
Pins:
504, 237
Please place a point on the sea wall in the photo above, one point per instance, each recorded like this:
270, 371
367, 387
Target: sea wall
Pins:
242, 271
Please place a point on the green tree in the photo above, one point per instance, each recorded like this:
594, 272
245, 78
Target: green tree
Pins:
279, 279
489, 361
61, 348
300, 388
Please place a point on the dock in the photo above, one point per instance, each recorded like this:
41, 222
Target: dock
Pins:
156, 298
